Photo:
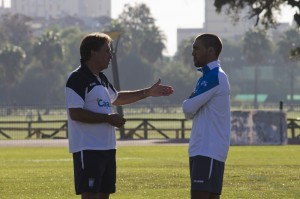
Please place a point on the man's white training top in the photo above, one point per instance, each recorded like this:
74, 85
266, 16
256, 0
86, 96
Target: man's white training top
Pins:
209, 107
87, 91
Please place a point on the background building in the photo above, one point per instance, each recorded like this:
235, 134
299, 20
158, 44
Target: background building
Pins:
223, 25
59, 8
185, 33
3, 8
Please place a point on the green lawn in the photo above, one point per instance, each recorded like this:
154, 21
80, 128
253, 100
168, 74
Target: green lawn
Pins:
148, 172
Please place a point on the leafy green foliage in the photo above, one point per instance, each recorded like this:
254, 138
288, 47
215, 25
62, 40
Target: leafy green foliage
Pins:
71, 39
135, 73
263, 11
288, 51
16, 29
288, 44
49, 49
11, 58
140, 33
11, 67
140, 47
184, 52
256, 46
51, 54
182, 77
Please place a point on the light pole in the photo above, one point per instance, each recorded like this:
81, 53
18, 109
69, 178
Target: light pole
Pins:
116, 37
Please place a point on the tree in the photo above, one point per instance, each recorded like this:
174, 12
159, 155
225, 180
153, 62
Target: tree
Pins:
289, 40
232, 59
140, 46
49, 52
124, 45
152, 46
2, 37
140, 34
182, 77
184, 53
11, 67
231, 56
256, 47
263, 11
135, 72
49, 49
16, 29
71, 38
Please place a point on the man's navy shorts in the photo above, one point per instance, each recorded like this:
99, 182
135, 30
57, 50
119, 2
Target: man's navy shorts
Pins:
95, 171
206, 174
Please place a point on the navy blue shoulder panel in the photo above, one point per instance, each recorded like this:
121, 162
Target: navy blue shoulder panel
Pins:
78, 83
208, 81
82, 82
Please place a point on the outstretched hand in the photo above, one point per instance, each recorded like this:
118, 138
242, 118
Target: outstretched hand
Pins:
157, 90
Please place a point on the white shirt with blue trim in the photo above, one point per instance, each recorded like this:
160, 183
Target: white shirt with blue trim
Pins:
209, 107
87, 91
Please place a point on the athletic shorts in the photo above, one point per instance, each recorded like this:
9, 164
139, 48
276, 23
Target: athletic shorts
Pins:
206, 174
95, 171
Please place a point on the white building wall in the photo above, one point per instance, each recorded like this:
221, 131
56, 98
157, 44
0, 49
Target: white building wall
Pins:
222, 24
186, 33
59, 8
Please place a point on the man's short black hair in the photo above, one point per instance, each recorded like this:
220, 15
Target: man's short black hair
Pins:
211, 40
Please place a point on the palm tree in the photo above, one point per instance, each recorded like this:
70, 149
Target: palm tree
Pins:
49, 52
256, 47
11, 67
49, 49
140, 34
17, 29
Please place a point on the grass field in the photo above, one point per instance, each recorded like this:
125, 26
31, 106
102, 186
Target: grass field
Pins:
148, 172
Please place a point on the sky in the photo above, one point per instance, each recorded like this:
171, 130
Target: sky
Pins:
173, 14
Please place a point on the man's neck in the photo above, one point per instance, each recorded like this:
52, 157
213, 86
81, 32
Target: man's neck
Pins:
92, 67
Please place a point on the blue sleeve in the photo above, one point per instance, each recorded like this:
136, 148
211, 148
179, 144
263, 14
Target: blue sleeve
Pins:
204, 91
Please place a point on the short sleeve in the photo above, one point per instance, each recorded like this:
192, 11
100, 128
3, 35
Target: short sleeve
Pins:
73, 100
113, 94
75, 91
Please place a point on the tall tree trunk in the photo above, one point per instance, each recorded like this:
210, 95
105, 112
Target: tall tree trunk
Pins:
291, 85
255, 86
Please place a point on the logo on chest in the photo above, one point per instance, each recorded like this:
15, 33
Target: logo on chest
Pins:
101, 103
203, 83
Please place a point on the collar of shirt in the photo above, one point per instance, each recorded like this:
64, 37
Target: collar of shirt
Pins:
209, 66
